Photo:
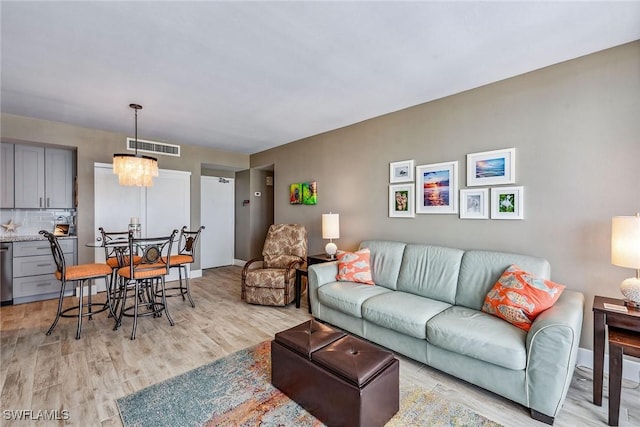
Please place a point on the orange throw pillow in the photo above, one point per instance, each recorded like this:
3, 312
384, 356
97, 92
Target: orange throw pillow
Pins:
519, 297
355, 267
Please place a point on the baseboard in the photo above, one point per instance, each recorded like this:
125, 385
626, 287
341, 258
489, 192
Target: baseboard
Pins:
239, 262
195, 273
630, 368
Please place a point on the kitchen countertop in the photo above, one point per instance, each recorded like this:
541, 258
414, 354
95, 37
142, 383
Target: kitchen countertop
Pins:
29, 238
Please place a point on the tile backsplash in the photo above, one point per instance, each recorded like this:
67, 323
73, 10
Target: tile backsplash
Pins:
31, 221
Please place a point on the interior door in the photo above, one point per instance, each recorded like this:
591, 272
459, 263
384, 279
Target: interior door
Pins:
217, 215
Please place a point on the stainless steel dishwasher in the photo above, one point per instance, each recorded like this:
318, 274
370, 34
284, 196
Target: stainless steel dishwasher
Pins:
6, 273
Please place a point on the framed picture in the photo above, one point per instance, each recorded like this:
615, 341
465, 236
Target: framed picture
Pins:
507, 203
401, 201
491, 167
474, 203
295, 194
437, 188
309, 193
401, 171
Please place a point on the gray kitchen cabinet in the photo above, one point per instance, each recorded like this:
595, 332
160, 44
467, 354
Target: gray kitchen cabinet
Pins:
58, 178
43, 177
6, 175
34, 267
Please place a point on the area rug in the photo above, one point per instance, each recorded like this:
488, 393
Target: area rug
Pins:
236, 391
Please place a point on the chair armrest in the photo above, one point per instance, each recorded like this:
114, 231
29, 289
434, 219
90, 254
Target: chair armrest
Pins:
245, 269
293, 265
552, 349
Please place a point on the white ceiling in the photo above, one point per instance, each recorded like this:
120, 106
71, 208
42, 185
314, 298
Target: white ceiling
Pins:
248, 76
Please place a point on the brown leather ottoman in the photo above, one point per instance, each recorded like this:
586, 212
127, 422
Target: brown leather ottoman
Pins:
339, 379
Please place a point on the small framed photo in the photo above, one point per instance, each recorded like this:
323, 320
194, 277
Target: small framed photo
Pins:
401, 201
507, 203
401, 171
437, 188
474, 203
491, 167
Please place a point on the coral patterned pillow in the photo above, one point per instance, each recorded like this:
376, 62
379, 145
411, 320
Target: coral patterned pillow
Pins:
519, 297
355, 267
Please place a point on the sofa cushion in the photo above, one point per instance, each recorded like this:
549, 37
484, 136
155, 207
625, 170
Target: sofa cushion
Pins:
519, 297
430, 271
355, 267
402, 312
386, 258
479, 335
348, 297
480, 270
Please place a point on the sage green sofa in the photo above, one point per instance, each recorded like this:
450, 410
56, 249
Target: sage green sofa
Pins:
426, 303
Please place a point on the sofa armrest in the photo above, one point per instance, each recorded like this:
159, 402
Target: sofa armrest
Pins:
552, 348
319, 275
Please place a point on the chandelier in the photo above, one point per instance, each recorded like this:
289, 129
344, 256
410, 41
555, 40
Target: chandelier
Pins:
135, 169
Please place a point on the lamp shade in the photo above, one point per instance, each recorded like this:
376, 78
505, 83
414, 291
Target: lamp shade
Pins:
134, 169
330, 226
625, 241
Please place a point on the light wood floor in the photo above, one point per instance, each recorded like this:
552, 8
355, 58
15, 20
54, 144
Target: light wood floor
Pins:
86, 376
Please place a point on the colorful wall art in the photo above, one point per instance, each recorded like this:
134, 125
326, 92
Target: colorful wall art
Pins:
305, 193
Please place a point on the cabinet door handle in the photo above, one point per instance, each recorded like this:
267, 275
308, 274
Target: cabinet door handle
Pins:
48, 202
40, 204
44, 265
43, 284
42, 247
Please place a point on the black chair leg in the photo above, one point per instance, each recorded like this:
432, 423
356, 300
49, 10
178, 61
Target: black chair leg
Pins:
188, 289
55, 322
80, 309
164, 302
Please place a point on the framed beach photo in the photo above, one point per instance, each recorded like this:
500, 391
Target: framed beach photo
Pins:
474, 203
401, 171
507, 203
437, 188
401, 201
491, 167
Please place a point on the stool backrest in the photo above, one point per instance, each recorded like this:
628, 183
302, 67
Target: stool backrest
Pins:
153, 254
189, 240
56, 251
111, 251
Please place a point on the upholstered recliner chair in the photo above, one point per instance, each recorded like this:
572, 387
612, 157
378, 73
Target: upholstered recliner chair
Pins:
285, 249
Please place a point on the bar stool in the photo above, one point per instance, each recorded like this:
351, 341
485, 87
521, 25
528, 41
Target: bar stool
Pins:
621, 341
116, 253
186, 255
76, 273
144, 277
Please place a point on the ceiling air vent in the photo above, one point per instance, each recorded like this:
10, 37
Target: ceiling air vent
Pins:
154, 147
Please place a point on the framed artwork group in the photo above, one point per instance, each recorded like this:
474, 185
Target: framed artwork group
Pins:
436, 188
304, 193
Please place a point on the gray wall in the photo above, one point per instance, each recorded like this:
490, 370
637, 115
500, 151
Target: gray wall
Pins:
99, 146
243, 216
261, 210
576, 129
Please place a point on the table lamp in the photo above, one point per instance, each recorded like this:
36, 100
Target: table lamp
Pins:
625, 252
331, 230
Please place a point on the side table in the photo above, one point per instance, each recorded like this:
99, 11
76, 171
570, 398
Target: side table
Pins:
302, 271
603, 318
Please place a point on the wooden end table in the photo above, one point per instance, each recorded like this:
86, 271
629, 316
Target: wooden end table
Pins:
302, 271
603, 318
